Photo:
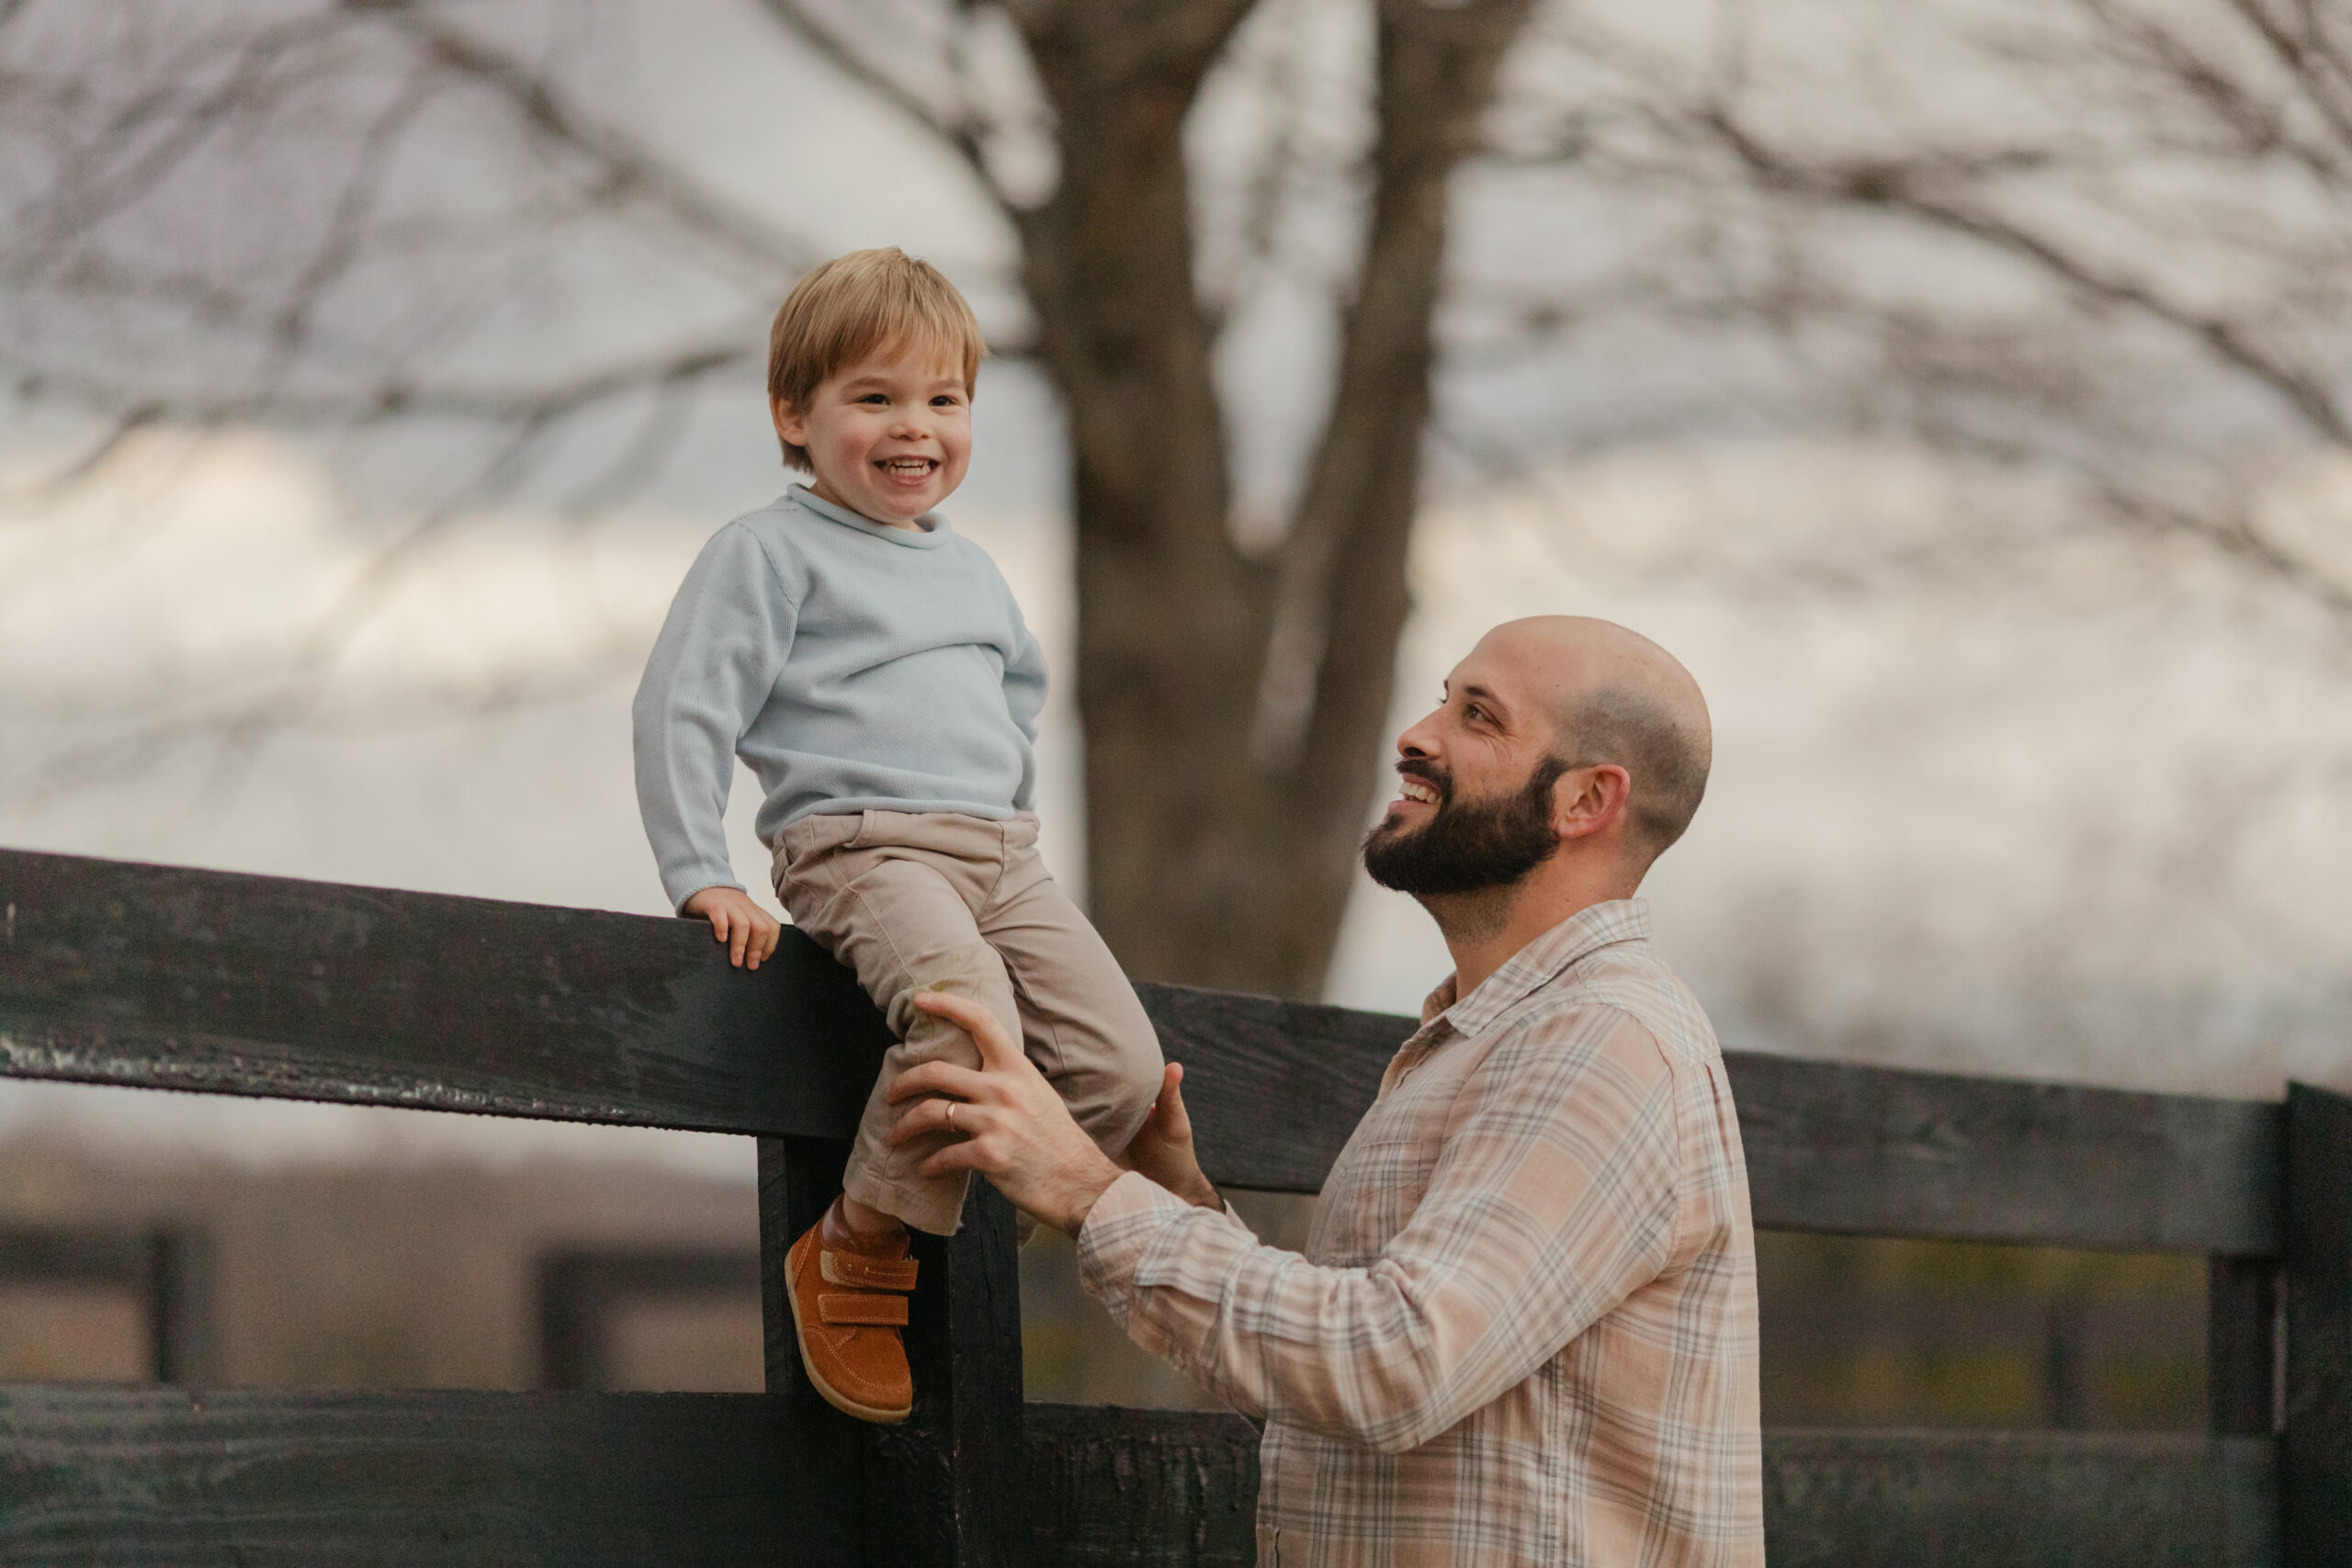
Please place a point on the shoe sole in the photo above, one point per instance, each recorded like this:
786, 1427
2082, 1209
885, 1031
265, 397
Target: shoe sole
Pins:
833, 1396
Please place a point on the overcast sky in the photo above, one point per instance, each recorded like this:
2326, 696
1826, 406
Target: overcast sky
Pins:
1993, 794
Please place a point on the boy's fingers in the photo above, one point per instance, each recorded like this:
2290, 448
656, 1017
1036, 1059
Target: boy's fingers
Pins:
737, 943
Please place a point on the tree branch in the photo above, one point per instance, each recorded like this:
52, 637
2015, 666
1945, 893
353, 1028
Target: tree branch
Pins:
960, 132
630, 167
1329, 661
398, 401
1896, 187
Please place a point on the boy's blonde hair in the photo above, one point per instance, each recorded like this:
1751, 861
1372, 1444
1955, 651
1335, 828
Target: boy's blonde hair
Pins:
852, 305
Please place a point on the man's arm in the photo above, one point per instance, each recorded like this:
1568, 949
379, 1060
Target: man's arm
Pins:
1554, 1199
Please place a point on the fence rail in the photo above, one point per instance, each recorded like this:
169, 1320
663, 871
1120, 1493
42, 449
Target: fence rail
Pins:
171, 978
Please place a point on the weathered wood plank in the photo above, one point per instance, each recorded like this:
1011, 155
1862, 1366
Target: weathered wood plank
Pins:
170, 978
1164, 1489
1875, 1151
187, 979
1114, 1488
2316, 1466
1849, 1499
1274, 1087
166, 1478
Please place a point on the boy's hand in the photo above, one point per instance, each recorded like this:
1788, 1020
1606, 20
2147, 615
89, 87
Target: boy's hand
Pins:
749, 933
1162, 1150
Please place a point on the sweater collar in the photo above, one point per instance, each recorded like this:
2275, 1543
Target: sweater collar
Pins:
1541, 961
930, 533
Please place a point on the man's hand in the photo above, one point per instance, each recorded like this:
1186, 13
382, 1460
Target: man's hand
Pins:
749, 933
1007, 1121
1162, 1150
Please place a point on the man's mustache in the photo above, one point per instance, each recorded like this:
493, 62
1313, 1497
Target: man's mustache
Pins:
1414, 768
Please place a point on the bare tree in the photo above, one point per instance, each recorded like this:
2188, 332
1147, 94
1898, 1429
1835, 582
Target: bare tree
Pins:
2100, 241
1232, 697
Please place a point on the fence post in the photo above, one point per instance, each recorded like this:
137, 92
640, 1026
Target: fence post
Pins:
942, 1489
2241, 1345
946, 1487
2315, 1467
179, 1305
797, 1179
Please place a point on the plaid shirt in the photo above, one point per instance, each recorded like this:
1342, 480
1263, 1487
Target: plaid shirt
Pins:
1524, 1328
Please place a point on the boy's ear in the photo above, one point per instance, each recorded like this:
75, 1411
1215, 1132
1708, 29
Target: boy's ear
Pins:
789, 426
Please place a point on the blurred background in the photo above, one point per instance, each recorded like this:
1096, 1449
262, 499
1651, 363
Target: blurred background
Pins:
1957, 389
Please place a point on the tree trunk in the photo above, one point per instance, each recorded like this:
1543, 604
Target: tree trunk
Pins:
1233, 707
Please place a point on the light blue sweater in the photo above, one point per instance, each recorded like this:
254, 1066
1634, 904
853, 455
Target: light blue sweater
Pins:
852, 665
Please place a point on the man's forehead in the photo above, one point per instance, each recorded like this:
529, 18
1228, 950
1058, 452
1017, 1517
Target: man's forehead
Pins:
1508, 676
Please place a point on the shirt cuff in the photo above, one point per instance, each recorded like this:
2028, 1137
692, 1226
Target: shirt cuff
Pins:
703, 883
1118, 1231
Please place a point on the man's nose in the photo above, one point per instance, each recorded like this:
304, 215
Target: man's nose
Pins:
1416, 741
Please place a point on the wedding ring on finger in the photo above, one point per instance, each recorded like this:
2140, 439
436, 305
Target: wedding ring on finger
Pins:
951, 1118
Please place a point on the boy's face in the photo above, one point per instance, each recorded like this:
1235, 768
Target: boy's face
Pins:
889, 436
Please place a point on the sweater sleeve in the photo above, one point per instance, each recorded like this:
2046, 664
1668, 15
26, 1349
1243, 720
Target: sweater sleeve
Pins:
1024, 676
713, 665
1024, 694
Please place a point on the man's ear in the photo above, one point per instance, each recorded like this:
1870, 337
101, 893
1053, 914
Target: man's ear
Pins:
1589, 800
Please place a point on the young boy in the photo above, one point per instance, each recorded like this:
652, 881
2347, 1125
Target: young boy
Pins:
871, 667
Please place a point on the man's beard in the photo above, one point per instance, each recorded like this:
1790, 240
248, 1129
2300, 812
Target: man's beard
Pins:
1466, 846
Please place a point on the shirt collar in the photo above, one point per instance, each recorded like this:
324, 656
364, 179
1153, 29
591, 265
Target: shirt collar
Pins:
1542, 960
930, 533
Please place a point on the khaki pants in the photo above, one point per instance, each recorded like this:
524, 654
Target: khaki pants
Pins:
942, 901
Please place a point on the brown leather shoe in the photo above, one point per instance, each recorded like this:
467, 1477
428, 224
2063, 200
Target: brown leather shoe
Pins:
850, 1334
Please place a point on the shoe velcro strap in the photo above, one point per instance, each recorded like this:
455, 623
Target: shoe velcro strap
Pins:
883, 1311
862, 1273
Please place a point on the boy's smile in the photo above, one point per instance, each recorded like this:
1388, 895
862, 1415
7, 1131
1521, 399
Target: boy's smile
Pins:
889, 436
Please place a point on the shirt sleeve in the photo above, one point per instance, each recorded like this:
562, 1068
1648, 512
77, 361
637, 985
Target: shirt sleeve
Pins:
1552, 1200
717, 657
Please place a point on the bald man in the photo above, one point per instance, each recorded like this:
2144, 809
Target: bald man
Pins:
1524, 1328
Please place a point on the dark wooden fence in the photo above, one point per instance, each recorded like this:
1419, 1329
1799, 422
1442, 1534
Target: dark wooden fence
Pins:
578, 1291
165, 978
168, 1268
